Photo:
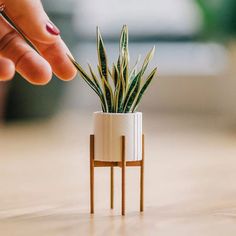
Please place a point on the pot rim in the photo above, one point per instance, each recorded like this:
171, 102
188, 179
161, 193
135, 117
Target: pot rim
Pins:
116, 114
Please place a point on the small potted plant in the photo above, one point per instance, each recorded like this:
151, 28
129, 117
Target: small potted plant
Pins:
120, 90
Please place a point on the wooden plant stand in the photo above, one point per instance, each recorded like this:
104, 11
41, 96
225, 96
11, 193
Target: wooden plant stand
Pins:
122, 164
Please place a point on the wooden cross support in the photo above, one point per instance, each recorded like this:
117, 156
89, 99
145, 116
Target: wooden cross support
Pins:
122, 164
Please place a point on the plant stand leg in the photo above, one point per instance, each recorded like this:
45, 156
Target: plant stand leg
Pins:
142, 178
123, 164
91, 174
112, 187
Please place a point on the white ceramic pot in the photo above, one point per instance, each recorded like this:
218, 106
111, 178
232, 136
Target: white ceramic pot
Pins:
108, 130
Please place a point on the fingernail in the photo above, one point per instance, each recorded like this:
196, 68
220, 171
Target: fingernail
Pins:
52, 29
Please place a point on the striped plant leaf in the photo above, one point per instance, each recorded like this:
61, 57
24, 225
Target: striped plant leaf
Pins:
118, 63
94, 77
120, 97
102, 97
134, 70
100, 71
119, 89
126, 71
132, 85
110, 73
124, 40
132, 96
115, 75
102, 58
148, 59
122, 78
84, 75
144, 88
108, 94
116, 96
103, 86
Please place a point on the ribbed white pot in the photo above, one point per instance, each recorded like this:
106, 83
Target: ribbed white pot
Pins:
108, 130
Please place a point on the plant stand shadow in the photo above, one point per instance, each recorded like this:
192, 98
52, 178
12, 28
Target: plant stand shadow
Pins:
122, 164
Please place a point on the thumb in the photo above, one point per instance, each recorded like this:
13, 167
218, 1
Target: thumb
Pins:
30, 17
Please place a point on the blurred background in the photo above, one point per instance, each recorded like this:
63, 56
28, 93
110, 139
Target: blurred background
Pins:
195, 42
189, 119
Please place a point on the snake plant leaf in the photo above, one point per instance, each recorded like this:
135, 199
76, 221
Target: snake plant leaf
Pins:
134, 70
120, 97
94, 77
133, 95
110, 73
122, 88
124, 41
144, 88
115, 74
84, 75
126, 70
100, 71
119, 88
116, 97
132, 85
120, 92
118, 63
102, 58
108, 94
148, 59
122, 79
102, 98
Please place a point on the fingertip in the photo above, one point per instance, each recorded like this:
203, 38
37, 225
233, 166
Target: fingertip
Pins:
56, 55
68, 74
41, 74
7, 69
35, 69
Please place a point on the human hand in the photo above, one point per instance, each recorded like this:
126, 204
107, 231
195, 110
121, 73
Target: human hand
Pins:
15, 54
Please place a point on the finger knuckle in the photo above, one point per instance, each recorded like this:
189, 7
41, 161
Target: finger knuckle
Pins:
7, 39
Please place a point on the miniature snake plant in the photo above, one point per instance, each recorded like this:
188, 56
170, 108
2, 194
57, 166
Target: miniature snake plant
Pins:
119, 89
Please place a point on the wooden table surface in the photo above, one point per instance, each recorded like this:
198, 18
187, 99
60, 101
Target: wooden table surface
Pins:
190, 180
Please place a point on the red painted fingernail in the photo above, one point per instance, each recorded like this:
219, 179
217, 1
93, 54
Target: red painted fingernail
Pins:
52, 29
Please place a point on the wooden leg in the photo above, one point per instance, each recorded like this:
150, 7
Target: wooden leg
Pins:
123, 176
112, 187
91, 174
142, 178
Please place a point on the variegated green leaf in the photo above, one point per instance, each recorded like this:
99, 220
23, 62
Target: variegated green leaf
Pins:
102, 58
126, 71
132, 96
147, 60
120, 97
116, 96
100, 71
124, 41
115, 74
118, 63
108, 94
122, 79
84, 75
133, 83
102, 97
118, 89
144, 88
94, 77
134, 70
